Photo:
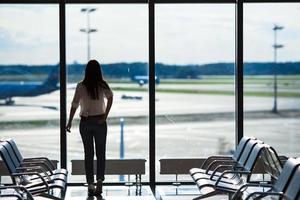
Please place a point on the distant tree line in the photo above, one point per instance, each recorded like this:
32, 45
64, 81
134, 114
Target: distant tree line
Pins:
128, 70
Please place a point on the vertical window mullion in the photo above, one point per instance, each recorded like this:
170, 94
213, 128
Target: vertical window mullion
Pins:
63, 77
152, 95
239, 93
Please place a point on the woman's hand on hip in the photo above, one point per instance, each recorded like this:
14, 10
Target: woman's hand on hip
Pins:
102, 120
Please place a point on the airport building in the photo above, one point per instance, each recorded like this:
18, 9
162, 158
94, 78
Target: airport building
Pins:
206, 98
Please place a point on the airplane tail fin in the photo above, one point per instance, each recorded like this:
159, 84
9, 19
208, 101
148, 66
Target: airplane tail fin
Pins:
53, 78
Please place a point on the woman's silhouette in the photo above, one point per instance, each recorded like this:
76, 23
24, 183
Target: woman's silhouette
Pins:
90, 94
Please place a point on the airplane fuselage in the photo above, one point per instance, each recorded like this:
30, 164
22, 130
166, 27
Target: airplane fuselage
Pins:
23, 89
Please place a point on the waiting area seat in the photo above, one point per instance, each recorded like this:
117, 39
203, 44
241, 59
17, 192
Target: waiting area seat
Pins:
229, 184
15, 192
35, 161
241, 164
287, 185
34, 176
233, 175
215, 163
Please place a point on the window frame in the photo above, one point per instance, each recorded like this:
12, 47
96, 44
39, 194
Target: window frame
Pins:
239, 109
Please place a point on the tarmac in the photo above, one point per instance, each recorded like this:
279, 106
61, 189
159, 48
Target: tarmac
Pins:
187, 125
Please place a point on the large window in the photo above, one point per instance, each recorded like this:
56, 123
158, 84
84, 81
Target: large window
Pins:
29, 77
271, 43
120, 43
195, 87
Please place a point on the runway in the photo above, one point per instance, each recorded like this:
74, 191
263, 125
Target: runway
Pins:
187, 125
46, 107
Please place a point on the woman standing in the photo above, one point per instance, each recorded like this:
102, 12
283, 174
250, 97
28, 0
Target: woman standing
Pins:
90, 94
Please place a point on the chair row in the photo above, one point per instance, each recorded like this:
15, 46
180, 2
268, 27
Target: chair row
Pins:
231, 175
31, 176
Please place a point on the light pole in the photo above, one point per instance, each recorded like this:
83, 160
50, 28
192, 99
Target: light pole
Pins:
88, 30
275, 46
121, 177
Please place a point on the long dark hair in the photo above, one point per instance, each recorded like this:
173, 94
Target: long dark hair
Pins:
93, 79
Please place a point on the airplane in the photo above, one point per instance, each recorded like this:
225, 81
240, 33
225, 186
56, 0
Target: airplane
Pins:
8, 90
141, 80
130, 97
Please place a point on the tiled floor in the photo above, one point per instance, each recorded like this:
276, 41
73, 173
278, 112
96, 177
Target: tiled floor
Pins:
110, 193
183, 193
123, 193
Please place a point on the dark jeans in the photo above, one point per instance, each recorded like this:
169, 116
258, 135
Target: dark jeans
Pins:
90, 131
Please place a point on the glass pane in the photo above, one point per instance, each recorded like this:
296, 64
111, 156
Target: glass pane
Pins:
195, 96
29, 77
120, 43
272, 69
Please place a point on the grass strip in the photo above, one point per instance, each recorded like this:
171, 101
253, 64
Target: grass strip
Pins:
208, 92
28, 124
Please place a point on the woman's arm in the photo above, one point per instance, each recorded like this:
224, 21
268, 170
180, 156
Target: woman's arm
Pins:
72, 113
108, 106
74, 106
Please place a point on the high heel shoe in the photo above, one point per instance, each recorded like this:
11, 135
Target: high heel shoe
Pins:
98, 190
91, 190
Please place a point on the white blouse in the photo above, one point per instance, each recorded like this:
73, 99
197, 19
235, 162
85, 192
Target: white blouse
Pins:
89, 106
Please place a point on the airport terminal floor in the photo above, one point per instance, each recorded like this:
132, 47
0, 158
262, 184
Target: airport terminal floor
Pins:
169, 192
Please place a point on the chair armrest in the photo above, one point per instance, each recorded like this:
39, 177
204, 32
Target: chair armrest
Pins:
33, 169
280, 194
41, 158
230, 172
42, 164
212, 158
220, 167
244, 187
31, 173
28, 194
225, 162
16, 195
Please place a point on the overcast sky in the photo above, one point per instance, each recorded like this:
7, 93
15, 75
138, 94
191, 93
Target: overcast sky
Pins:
185, 34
